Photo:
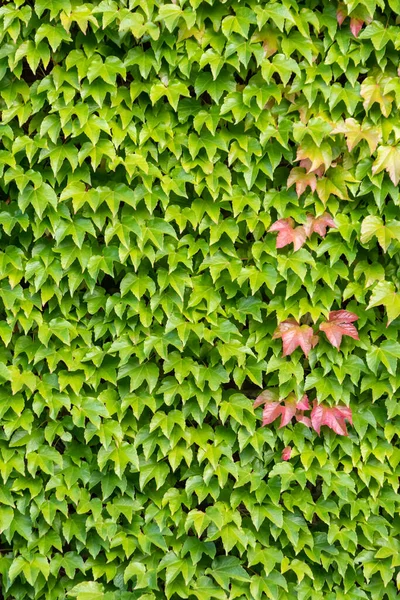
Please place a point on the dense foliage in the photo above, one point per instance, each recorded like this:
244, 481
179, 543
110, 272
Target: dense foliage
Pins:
198, 214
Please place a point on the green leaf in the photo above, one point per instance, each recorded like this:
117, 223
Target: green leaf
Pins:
384, 293
227, 568
39, 197
373, 226
138, 373
88, 590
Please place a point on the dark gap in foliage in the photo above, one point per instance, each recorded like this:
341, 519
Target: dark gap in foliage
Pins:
109, 284
206, 98
316, 490
30, 77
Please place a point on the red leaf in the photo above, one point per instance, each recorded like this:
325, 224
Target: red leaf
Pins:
271, 411
287, 234
291, 409
305, 420
303, 404
300, 406
356, 26
286, 409
294, 335
333, 417
286, 452
338, 325
342, 316
319, 224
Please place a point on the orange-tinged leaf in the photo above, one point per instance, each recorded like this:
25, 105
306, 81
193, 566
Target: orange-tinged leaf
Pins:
306, 164
268, 36
319, 224
302, 180
287, 234
286, 452
318, 155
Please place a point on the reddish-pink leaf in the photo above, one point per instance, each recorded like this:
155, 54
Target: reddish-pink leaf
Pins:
335, 331
286, 409
291, 408
338, 325
287, 234
319, 224
341, 14
299, 237
356, 26
303, 404
317, 415
288, 412
286, 452
342, 316
346, 413
294, 335
333, 417
305, 420
271, 411
284, 227
308, 225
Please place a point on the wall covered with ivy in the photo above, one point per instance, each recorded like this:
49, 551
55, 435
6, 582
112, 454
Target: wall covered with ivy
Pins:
199, 306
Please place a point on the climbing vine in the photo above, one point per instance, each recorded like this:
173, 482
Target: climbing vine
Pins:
199, 299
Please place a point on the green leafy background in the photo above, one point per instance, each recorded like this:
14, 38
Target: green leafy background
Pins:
145, 152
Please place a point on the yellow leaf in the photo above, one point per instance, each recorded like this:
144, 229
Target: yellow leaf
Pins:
388, 159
